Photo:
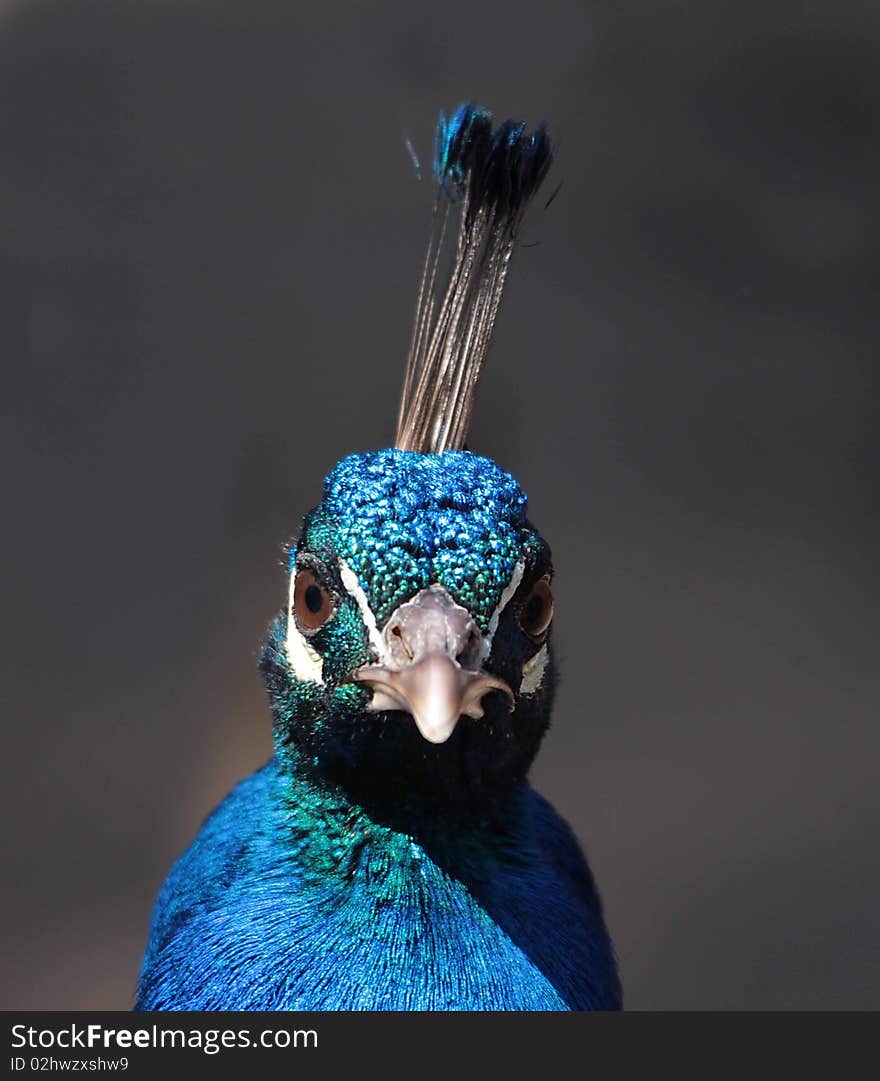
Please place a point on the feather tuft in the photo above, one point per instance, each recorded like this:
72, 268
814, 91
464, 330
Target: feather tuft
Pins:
486, 177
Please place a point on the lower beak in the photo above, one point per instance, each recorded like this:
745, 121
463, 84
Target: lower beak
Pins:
434, 689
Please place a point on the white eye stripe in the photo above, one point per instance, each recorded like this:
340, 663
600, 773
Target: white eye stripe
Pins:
533, 671
506, 597
353, 588
305, 661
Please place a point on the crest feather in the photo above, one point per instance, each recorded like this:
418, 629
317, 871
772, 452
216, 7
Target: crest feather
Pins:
485, 177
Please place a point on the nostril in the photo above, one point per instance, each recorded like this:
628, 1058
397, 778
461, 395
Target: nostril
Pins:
396, 631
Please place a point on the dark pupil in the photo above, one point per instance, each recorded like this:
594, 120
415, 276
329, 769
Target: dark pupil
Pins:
314, 599
534, 609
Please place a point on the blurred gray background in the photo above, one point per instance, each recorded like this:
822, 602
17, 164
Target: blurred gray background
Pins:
210, 232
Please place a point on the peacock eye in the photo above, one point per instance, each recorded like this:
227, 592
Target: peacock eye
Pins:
312, 603
536, 613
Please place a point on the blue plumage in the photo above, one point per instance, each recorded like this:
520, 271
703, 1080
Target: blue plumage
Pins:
498, 919
392, 854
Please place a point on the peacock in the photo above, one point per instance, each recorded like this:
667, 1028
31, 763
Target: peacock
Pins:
392, 854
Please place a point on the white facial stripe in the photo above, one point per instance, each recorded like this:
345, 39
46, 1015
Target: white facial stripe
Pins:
305, 661
533, 671
353, 588
509, 590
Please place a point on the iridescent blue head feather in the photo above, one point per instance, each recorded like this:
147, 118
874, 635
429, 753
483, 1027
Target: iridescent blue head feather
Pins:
408, 519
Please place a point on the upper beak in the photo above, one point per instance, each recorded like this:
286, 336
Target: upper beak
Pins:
431, 649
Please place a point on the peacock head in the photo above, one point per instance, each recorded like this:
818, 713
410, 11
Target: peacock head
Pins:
412, 658
414, 644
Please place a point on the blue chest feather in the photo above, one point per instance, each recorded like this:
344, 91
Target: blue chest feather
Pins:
264, 913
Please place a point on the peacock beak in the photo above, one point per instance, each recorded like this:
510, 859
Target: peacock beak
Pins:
430, 665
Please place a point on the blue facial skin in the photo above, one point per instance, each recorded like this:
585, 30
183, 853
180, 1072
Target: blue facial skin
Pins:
363, 867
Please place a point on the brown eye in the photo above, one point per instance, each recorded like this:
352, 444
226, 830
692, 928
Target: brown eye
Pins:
311, 601
536, 614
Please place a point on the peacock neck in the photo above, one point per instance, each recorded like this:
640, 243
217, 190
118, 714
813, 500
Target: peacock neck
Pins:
335, 833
